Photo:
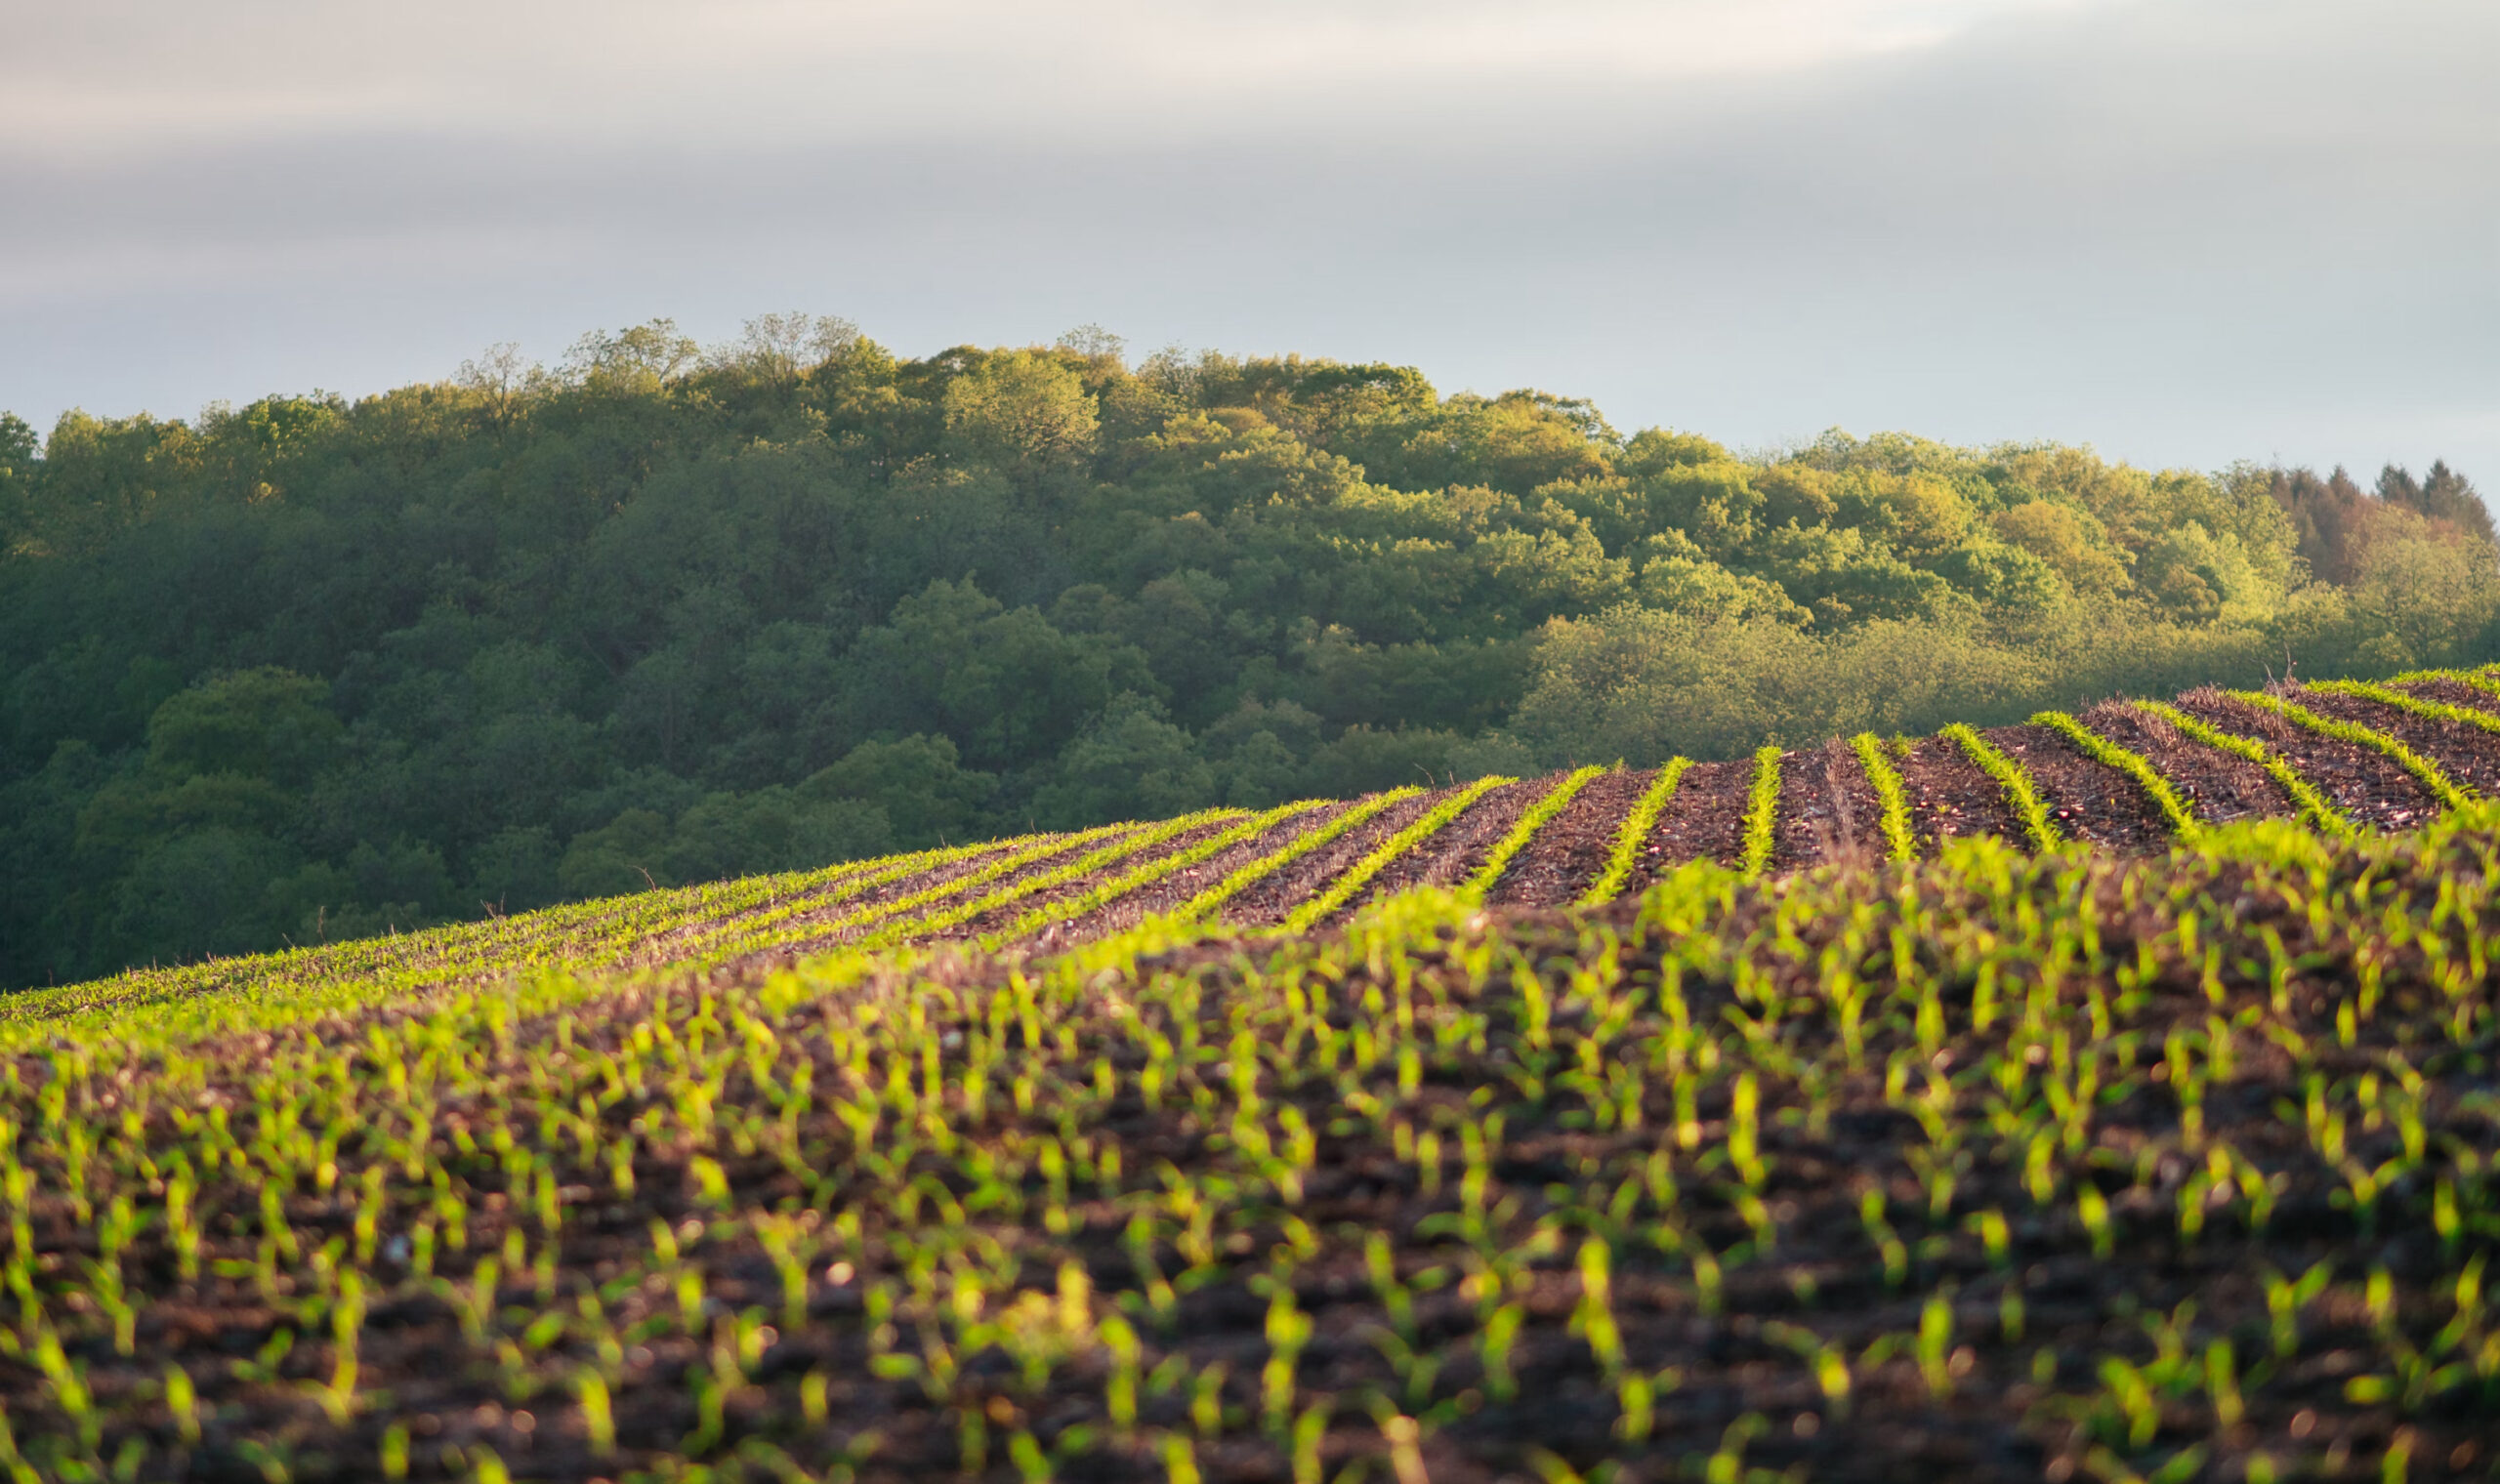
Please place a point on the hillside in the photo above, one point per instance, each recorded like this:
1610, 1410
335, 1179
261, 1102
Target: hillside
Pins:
308, 669
2089, 1161
2337, 755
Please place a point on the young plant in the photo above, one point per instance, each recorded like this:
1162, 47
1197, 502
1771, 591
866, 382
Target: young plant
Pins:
1498, 860
1096, 897
1387, 853
2427, 773
2419, 706
1761, 811
2183, 820
2011, 778
1635, 832
1209, 903
1901, 840
2312, 803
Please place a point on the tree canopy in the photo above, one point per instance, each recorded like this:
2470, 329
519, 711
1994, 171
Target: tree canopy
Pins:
315, 667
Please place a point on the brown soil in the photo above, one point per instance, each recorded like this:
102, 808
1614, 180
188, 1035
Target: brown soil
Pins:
1003, 915
1829, 811
1951, 798
2090, 801
2466, 753
797, 946
1574, 845
1451, 853
1823, 1278
2456, 693
2363, 782
840, 900
1124, 913
1706, 818
2219, 786
1272, 900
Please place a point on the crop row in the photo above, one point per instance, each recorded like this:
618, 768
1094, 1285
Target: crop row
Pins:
2102, 1167
2176, 810
1003, 892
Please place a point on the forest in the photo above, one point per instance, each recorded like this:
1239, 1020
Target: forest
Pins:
313, 668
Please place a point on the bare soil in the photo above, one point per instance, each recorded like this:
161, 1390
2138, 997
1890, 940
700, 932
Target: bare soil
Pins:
1272, 900
1574, 845
2218, 788
833, 901
2363, 782
1005, 915
1124, 913
2466, 753
2089, 800
2457, 693
1451, 853
834, 936
1951, 798
1706, 818
1822, 1280
1829, 811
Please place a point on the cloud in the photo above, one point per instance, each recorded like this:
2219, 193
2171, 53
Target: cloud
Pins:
124, 76
2187, 231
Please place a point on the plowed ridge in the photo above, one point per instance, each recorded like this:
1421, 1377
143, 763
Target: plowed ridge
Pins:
2128, 778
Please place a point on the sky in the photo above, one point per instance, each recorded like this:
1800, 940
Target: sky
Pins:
2184, 231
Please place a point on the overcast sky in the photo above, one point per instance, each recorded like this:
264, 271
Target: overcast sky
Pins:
2186, 231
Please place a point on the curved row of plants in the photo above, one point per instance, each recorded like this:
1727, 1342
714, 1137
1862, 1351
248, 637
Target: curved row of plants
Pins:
1007, 890
2034, 1158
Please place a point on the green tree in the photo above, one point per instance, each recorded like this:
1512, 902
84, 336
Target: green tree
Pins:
20, 452
1024, 412
200, 891
640, 358
1002, 683
918, 782
515, 635
1129, 762
267, 724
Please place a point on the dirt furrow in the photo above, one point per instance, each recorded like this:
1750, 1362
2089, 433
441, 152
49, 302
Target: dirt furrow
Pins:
2090, 801
1705, 819
1006, 913
1829, 811
1450, 854
2363, 782
1951, 798
835, 904
823, 930
1272, 900
2465, 752
2218, 788
2457, 693
1177, 888
1574, 845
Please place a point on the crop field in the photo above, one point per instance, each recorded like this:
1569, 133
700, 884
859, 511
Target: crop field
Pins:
2135, 777
2119, 1106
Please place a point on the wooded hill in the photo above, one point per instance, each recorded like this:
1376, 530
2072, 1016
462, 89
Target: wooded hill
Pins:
311, 669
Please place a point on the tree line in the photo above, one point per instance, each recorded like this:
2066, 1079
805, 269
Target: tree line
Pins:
313, 668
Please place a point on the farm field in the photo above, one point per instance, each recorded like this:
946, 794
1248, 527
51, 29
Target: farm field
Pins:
2132, 777
2126, 1111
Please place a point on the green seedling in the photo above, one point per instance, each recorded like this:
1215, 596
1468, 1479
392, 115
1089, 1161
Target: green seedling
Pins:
1633, 833
2313, 806
1360, 875
1761, 811
2015, 779
1901, 840
1498, 860
2429, 774
2183, 820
